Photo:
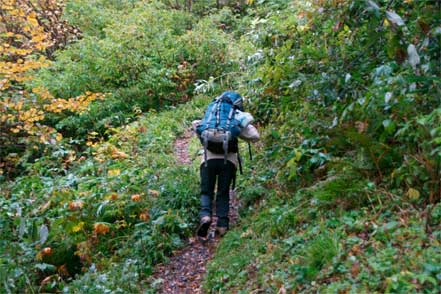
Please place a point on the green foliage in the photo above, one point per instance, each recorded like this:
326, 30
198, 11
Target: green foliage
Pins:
318, 253
345, 91
421, 166
147, 57
92, 17
344, 187
118, 279
124, 202
341, 196
350, 147
300, 246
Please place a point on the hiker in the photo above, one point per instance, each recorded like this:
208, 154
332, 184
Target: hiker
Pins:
225, 117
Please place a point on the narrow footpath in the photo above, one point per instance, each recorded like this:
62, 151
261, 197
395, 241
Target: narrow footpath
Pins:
185, 271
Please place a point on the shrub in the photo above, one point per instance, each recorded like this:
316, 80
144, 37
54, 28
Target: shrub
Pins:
319, 252
150, 58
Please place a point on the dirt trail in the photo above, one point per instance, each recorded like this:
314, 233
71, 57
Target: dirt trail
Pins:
181, 148
186, 269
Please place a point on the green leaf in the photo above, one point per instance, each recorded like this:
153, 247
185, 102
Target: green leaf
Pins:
389, 126
22, 227
45, 267
292, 166
413, 194
275, 134
44, 233
391, 225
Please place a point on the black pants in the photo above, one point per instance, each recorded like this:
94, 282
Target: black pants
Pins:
216, 169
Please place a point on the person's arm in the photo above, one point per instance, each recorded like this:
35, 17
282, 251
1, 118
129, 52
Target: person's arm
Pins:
195, 124
249, 134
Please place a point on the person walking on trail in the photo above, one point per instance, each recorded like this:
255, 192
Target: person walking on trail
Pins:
223, 124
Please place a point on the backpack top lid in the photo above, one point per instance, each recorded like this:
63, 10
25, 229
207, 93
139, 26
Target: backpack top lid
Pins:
235, 98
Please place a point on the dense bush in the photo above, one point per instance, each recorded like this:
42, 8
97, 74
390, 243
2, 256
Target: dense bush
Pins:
349, 93
147, 57
92, 17
357, 76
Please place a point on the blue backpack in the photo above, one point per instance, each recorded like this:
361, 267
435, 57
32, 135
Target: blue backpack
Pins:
219, 130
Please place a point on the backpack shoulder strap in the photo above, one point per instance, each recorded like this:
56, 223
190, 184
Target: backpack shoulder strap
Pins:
218, 106
230, 117
215, 102
205, 143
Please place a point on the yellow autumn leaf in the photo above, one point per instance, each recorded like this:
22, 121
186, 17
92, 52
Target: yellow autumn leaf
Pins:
38, 38
112, 196
78, 227
4, 84
114, 172
413, 194
303, 28
32, 19
19, 105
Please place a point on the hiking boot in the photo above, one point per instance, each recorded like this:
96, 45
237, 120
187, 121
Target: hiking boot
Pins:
221, 231
204, 226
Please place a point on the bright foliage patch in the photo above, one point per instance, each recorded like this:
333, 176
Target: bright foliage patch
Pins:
31, 30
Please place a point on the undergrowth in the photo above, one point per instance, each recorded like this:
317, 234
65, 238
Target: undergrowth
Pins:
103, 224
332, 237
343, 195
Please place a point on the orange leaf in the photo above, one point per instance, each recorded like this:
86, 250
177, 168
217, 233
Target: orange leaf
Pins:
136, 197
101, 229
